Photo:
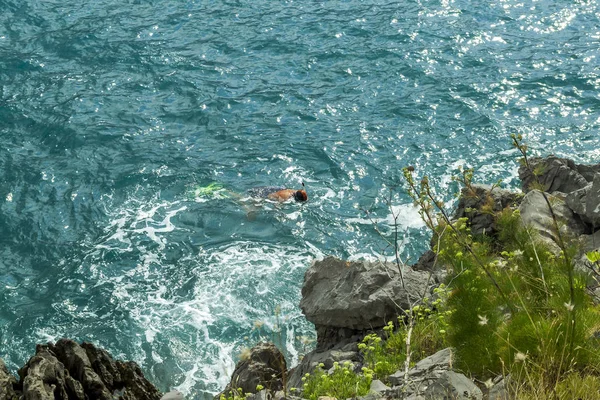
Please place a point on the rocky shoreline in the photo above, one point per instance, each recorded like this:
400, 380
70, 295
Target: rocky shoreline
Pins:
348, 300
71, 371
345, 301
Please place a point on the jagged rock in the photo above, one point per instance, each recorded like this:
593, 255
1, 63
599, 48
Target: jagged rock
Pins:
358, 295
588, 171
535, 213
103, 364
7, 383
453, 386
479, 202
43, 377
77, 362
430, 367
585, 202
265, 366
421, 376
327, 358
593, 203
555, 175
67, 370
576, 201
134, 385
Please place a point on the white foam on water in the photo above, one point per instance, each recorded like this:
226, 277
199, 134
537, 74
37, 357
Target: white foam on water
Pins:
199, 327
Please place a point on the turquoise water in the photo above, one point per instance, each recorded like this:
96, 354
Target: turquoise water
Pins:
112, 114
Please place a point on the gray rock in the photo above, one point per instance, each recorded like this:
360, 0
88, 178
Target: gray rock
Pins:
262, 395
588, 171
478, 204
177, 395
75, 359
585, 202
499, 391
265, 366
378, 386
453, 386
358, 295
577, 201
43, 377
7, 382
430, 367
66, 370
422, 375
592, 211
590, 242
327, 358
535, 213
555, 175
442, 360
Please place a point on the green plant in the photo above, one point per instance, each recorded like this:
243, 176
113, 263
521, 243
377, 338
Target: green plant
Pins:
235, 394
343, 383
386, 355
517, 305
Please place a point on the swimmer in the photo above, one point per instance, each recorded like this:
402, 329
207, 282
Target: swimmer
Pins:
279, 194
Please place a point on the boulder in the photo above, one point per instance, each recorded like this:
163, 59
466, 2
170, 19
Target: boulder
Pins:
478, 203
264, 366
535, 213
554, 174
67, 370
7, 383
453, 386
359, 295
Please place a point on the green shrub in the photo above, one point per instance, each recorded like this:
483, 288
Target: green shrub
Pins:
343, 383
386, 355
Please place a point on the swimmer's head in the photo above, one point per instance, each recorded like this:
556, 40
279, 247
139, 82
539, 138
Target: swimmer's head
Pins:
300, 195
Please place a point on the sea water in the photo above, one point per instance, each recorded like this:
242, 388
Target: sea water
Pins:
116, 115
